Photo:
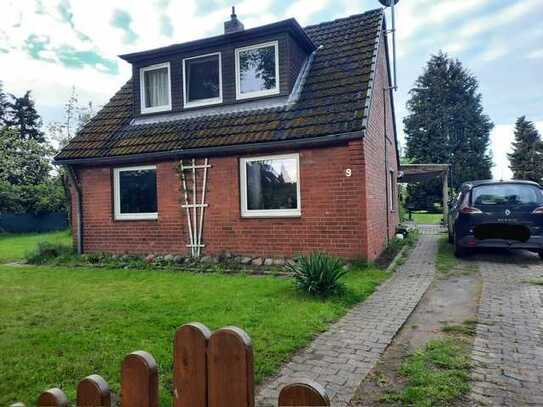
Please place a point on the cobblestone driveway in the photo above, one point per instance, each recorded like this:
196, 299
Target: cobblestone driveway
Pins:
340, 358
508, 349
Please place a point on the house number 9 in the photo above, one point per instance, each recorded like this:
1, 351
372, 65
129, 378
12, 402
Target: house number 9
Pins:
348, 172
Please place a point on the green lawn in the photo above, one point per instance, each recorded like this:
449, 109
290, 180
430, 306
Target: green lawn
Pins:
425, 218
437, 375
445, 260
14, 246
58, 325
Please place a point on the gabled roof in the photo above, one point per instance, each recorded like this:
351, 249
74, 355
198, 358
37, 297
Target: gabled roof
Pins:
333, 103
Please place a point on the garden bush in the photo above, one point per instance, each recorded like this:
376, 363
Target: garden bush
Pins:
317, 274
46, 251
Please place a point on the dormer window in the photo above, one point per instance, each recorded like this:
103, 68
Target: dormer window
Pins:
155, 88
257, 70
203, 80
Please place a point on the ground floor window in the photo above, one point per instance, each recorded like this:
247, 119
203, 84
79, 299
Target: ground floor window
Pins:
392, 190
135, 193
270, 186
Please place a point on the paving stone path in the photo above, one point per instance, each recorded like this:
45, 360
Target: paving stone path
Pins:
508, 348
340, 358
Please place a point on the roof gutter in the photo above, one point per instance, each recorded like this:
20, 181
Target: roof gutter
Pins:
319, 141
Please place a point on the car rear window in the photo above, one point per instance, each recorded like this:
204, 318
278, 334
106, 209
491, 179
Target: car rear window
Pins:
506, 194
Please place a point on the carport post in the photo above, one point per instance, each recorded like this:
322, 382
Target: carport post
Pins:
445, 196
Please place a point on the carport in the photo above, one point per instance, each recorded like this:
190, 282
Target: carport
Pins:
411, 173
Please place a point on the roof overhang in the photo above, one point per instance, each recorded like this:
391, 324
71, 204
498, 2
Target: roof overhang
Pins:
319, 141
290, 25
421, 172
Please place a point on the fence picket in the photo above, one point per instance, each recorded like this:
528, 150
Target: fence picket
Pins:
209, 370
52, 398
93, 391
190, 365
139, 382
303, 393
230, 369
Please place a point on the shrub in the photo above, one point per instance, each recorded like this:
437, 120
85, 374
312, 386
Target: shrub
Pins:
46, 251
317, 274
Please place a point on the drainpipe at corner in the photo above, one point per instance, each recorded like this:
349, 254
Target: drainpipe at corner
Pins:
74, 180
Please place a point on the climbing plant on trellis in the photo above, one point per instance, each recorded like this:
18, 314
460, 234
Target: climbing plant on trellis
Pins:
194, 183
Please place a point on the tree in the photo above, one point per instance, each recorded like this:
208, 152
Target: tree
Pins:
24, 161
75, 117
3, 106
446, 125
526, 160
22, 115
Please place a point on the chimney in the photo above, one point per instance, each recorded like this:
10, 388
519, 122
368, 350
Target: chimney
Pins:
234, 25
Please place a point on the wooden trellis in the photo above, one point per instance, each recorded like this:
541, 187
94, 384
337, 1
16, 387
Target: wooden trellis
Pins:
195, 200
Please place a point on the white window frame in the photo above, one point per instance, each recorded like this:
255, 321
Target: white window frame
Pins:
267, 92
117, 195
268, 213
392, 191
154, 109
203, 102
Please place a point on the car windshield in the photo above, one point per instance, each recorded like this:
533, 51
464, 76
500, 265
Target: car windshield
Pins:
506, 194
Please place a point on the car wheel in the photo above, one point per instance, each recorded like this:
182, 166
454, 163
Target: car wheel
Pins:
460, 251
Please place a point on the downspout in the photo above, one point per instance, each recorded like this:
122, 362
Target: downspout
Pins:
74, 180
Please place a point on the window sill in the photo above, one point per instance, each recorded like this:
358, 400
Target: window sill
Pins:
136, 217
253, 95
268, 215
158, 109
203, 103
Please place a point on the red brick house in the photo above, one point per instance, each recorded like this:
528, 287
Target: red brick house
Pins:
269, 141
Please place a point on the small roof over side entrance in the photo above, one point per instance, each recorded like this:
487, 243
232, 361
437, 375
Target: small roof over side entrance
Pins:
410, 173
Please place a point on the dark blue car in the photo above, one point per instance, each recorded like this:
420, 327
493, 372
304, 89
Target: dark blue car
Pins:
506, 214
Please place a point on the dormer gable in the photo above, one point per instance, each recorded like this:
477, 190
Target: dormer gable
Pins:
236, 68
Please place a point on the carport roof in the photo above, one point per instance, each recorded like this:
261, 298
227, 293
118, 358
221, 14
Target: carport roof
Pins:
421, 172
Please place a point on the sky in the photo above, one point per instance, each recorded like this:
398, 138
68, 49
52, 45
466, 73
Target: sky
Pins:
51, 46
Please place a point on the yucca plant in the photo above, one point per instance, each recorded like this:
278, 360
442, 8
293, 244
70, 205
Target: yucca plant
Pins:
317, 274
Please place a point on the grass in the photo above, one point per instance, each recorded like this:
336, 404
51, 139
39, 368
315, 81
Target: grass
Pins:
535, 281
436, 375
445, 260
467, 328
59, 325
13, 247
426, 218
447, 263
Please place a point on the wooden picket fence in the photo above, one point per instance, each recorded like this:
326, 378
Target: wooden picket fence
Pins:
209, 370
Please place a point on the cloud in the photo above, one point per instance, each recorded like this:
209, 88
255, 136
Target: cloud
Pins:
74, 58
122, 20
166, 26
66, 12
535, 54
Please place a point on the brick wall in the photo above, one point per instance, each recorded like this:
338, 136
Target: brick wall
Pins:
103, 234
374, 162
331, 211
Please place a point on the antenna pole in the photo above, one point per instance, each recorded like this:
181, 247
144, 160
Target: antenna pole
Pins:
395, 86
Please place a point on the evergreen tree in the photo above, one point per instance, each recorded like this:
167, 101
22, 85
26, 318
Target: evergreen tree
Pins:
22, 115
3, 106
446, 125
526, 160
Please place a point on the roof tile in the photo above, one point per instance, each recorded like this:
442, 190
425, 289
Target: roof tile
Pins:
331, 102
